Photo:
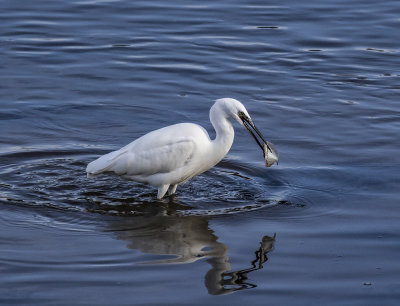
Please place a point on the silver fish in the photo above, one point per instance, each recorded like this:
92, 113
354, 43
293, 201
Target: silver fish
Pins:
270, 154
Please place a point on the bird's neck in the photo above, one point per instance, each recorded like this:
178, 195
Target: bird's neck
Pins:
224, 135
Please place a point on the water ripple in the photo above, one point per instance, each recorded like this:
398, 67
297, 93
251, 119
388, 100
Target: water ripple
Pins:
56, 179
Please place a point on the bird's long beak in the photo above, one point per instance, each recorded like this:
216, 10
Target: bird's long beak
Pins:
269, 151
249, 125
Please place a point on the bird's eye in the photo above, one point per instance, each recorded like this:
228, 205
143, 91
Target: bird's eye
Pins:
242, 115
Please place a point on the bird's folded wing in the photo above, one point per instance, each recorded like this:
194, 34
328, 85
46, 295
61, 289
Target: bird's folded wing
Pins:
154, 159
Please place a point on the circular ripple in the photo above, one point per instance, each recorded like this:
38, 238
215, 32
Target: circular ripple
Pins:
56, 179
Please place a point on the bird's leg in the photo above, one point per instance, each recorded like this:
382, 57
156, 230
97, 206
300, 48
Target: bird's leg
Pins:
172, 189
162, 191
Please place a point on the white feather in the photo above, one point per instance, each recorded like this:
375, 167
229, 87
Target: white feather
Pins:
172, 155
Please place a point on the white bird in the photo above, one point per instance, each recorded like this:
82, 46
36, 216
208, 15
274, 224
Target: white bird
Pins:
174, 154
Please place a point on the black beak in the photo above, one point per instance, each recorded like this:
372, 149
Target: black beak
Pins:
249, 125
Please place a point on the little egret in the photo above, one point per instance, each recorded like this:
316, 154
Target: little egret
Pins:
174, 154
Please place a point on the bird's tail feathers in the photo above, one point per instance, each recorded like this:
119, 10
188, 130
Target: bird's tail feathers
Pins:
102, 164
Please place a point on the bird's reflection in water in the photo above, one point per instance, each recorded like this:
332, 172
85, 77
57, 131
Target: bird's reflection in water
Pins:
188, 238
219, 281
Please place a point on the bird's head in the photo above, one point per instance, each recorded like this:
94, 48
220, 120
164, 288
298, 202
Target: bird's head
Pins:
235, 109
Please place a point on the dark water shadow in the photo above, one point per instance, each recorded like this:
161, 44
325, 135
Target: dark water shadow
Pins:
219, 281
183, 239
175, 230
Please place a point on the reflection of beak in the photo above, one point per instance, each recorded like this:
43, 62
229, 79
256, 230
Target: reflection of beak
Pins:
269, 151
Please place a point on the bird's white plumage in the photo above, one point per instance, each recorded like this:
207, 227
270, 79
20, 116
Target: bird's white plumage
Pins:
162, 156
168, 156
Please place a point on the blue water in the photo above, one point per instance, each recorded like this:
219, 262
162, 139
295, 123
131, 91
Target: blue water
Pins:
321, 81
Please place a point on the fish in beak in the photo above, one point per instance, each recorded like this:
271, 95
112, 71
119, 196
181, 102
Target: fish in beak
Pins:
270, 154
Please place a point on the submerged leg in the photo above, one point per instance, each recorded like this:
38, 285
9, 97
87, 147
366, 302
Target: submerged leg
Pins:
172, 189
161, 191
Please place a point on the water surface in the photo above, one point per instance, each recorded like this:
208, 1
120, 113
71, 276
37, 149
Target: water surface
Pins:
82, 78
